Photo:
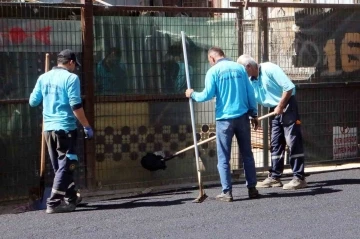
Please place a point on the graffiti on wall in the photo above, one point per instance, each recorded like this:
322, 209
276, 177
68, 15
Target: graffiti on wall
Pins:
29, 35
328, 40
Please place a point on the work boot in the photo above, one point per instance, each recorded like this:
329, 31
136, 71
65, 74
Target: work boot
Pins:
72, 200
79, 198
225, 197
270, 182
253, 193
295, 183
62, 207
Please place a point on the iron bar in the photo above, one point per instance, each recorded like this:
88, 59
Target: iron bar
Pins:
294, 5
116, 9
265, 57
88, 70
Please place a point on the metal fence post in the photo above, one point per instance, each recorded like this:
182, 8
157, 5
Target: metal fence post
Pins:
265, 57
240, 17
88, 73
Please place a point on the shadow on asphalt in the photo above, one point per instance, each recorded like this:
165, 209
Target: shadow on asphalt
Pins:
132, 204
146, 195
333, 182
297, 193
314, 188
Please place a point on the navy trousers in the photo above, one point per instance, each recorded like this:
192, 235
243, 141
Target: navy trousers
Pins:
286, 130
61, 146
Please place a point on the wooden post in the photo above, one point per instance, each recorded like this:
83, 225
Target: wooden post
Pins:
88, 79
43, 143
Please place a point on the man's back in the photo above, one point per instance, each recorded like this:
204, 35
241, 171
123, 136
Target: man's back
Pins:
234, 95
59, 90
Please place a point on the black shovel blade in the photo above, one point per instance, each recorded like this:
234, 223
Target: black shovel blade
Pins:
153, 162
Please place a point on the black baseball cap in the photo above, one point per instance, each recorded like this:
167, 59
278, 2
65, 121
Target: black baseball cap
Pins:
69, 55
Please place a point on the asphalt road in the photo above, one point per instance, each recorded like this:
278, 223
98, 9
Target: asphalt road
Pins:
328, 208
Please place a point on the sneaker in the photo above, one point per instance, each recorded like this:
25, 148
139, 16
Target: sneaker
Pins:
295, 183
270, 182
253, 193
225, 197
62, 207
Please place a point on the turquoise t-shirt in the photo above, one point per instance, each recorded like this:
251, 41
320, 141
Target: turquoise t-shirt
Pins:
228, 82
271, 83
59, 90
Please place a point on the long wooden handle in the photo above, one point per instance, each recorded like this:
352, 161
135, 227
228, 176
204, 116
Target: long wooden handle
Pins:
214, 137
43, 146
266, 116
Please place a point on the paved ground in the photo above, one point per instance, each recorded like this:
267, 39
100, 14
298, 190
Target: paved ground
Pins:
328, 208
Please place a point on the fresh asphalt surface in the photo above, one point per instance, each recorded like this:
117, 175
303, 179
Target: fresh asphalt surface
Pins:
328, 208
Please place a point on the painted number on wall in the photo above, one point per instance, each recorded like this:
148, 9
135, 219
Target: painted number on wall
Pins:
349, 53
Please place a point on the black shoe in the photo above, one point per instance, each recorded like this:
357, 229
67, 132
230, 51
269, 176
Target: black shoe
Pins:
253, 193
225, 197
76, 201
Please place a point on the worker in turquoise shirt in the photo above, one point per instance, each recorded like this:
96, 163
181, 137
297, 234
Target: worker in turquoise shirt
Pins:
111, 74
235, 103
275, 90
59, 92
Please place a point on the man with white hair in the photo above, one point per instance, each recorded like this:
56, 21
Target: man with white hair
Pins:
275, 90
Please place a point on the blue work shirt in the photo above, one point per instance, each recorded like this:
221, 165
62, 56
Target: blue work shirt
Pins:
228, 82
59, 90
271, 83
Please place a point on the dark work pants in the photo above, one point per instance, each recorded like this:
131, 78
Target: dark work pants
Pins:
61, 147
286, 130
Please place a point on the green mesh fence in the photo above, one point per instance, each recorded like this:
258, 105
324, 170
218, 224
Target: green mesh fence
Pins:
138, 74
140, 84
27, 33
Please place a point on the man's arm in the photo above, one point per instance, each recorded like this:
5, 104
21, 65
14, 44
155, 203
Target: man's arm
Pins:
209, 91
284, 99
73, 90
36, 96
253, 109
80, 115
287, 86
74, 95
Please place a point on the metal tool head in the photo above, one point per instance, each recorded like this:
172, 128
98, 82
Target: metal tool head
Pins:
202, 196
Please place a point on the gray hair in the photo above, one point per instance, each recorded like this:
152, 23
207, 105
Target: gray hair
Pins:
246, 60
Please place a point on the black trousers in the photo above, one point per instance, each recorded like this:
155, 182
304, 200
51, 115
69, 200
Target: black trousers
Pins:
61, 146
286, 130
